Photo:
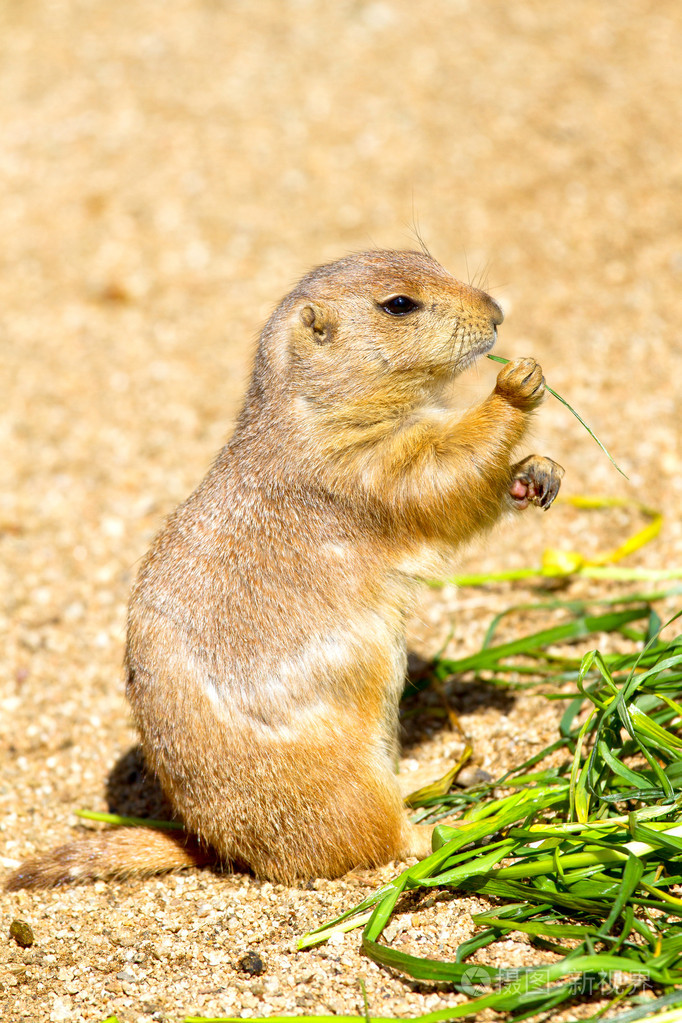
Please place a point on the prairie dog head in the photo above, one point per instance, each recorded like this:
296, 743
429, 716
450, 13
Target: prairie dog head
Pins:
378, 331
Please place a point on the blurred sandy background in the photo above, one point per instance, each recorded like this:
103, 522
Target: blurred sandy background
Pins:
167, 171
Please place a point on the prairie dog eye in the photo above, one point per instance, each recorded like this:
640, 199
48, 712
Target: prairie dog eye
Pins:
399, 305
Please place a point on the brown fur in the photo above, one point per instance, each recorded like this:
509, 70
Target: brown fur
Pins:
266, 646
122, 852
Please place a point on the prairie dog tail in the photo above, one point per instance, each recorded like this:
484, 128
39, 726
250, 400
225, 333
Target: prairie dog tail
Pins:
118, 853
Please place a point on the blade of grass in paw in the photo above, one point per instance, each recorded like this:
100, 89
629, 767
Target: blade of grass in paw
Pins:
498, 358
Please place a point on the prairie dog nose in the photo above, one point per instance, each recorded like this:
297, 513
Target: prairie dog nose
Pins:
496, 313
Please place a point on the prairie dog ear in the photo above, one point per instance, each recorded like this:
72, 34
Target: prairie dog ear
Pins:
319, 321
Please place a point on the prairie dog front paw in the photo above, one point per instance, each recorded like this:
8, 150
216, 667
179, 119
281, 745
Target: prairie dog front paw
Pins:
536, 480
521, 383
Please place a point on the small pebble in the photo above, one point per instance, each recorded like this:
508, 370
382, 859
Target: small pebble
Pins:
22, 933
252, 964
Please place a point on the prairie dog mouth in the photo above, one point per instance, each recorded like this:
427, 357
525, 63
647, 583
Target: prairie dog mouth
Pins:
482, 348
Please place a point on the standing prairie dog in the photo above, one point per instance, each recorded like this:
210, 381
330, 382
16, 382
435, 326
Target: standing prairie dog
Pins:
266, 632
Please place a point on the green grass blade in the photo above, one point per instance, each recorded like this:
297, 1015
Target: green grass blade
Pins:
632, 875
498, 358
579, 628
129, 822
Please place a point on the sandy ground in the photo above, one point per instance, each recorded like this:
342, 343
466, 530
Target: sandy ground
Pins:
166, 172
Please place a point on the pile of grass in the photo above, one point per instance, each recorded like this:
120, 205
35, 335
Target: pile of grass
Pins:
580, 855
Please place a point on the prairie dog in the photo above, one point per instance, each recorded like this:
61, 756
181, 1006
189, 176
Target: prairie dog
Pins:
266, 632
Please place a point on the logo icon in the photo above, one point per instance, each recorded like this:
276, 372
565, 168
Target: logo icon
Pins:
475, 980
